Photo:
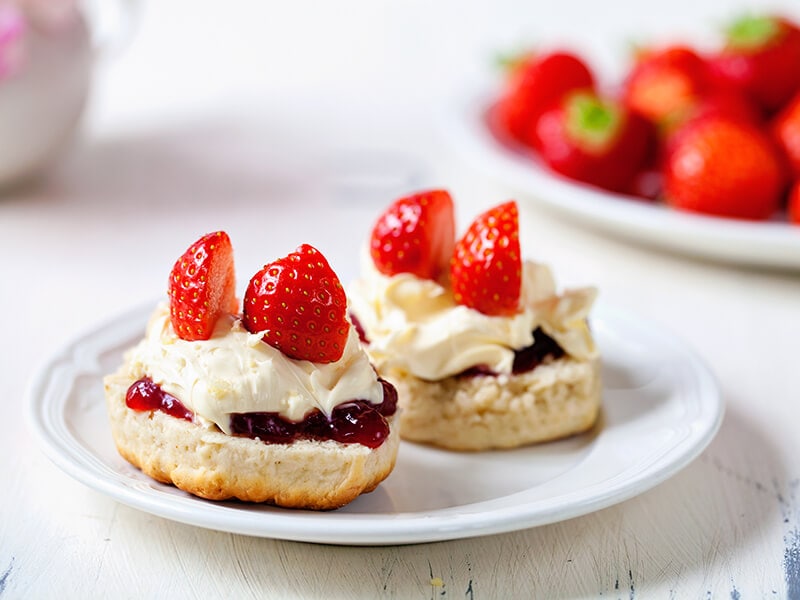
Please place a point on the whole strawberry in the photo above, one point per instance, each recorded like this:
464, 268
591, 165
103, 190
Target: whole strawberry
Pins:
722, 167
721, 101
536, 82
202, 287
299, 305
761, 57
793, 208
415, 235
786, 132
594, 140
665, 83
673, 85
486, 269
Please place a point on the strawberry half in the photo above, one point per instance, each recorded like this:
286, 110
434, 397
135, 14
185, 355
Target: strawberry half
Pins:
486, 269
202, 287
415, 235
298, 303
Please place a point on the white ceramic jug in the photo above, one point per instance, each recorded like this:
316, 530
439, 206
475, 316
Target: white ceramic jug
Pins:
46, 60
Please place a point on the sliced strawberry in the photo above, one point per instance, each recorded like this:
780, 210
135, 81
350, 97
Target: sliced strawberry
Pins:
486, 269
299, 305
415, 235
202, 287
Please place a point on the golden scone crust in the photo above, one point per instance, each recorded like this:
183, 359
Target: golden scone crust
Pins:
554, 400
213, 465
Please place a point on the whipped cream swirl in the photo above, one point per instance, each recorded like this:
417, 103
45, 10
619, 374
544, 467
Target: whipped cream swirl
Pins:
414, 325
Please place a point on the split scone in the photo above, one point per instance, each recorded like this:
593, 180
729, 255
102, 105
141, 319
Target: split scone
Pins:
483, 351
278, 404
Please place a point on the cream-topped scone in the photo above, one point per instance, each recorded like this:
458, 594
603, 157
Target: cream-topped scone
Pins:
485, 353
235, 372
209, 402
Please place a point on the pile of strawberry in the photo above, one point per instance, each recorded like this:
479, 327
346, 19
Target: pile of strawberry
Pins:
715, 133
296, 302
416, 234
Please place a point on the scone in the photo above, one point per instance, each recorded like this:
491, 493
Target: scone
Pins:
278, 404
482, 349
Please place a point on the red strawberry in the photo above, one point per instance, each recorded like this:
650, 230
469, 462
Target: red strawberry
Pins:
300, 306
535, 84
794, 204
762, 59
202, 287
415, 235
486, 270
673, 85
594, 140
723, 101
664, 84
786, 131
721, 167
647, 184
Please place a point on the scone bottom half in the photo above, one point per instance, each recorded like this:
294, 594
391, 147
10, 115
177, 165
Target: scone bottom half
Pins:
547, 396
296, 306
307, 472
425, 293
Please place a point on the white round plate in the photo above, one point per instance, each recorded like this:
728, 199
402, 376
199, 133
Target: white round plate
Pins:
661, 407
772, 244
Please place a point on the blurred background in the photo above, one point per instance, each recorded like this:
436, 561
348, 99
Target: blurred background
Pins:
279, 122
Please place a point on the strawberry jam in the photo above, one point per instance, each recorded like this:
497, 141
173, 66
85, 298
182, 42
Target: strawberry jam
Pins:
356, 422
362, 335
146, 395
543, 348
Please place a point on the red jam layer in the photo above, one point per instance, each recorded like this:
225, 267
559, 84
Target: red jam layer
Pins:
357, 422
527, 359
362, 335
146, 395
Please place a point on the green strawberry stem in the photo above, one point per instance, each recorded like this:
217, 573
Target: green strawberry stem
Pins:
752, 32
508, 62
592, 122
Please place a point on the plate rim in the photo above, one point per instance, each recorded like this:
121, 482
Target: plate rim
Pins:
360, 528
768, 244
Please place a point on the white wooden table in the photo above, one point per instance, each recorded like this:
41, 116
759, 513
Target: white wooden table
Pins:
232, 116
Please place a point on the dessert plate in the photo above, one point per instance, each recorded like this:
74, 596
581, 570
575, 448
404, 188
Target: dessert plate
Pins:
467, 127
661, 407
